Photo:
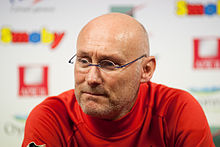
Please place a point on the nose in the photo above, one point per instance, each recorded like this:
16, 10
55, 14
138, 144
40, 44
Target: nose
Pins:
93, 77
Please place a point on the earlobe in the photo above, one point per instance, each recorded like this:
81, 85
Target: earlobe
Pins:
148, 67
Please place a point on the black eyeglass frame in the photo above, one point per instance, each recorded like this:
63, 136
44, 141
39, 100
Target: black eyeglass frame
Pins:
98, 65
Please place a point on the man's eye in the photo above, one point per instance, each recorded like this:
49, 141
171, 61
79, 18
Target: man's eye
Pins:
107, 64
83, 61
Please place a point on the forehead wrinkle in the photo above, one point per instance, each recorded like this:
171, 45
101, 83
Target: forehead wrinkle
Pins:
104, 47
98, 46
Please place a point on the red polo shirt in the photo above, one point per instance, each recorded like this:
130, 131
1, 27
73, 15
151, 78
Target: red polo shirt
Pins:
161, 116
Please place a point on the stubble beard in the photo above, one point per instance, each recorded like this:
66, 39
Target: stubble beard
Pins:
104, 108
114, 106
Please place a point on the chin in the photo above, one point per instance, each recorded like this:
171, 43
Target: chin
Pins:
95, 110
93, 113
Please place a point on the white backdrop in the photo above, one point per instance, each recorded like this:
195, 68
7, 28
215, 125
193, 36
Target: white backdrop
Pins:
30, 65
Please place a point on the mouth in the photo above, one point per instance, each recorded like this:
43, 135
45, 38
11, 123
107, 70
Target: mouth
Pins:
94, 94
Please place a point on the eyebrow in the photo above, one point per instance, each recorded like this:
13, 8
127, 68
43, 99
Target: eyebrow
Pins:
82, 53
114, 58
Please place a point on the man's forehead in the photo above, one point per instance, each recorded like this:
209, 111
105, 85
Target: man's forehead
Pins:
104, 49
107, 32
104, 44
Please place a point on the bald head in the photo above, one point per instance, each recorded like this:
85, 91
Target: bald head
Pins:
118, 27
114, 40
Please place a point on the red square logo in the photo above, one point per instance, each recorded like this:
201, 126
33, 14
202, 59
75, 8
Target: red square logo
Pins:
33, 80
206, 53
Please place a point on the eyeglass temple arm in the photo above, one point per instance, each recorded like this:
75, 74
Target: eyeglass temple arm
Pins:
132, 61
70, 61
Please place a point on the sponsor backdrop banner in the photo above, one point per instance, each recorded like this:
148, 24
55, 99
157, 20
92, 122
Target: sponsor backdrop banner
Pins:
37, 37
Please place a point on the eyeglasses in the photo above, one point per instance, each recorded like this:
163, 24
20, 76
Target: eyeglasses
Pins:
106, 65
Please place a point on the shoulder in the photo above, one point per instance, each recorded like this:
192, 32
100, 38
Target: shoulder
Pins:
50, 121
54, 104
183, 118
162, 99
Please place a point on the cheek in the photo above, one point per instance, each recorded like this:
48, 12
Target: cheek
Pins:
79, 78
115, 84
126, 84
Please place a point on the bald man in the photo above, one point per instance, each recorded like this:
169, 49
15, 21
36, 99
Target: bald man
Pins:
114, 102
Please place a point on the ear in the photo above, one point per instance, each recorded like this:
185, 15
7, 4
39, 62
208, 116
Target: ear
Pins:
148, 68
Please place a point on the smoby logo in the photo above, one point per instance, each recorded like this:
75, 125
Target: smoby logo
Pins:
43, 36
206, 53
33, 80
185, 8
129, 10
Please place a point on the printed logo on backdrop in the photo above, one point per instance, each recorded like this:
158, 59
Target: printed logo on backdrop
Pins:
208, 97
206, 90
33, 81
129, 10
206, 53
34, 6
123, 9
195, 8
44, 36
15, 127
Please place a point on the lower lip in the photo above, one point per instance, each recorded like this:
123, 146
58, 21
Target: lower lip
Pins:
94, 98
94, 95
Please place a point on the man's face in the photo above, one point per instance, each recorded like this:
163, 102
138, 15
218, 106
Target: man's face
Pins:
107, 95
